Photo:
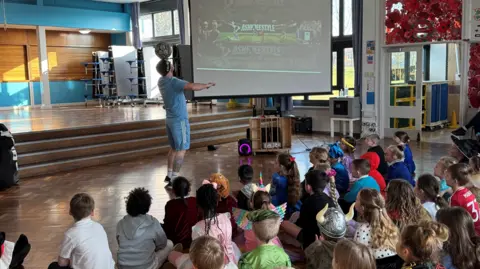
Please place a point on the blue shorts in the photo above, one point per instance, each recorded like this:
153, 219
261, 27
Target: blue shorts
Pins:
178, 132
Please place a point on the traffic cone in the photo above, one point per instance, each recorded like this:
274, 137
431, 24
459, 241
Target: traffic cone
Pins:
454, 123
232, 103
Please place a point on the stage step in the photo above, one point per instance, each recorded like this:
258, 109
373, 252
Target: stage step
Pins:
49, 152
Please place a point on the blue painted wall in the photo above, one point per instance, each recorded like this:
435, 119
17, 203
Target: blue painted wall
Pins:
119, 39
70, 14
62, 92
14, 94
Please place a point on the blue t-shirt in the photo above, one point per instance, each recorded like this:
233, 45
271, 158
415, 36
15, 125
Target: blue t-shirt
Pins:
443, 185
172, 90
363, 183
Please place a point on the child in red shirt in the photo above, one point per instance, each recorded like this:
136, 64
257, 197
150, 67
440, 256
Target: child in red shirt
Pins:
180, 214
458, 176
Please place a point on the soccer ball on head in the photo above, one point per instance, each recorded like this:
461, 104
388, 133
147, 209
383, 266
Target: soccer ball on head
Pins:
163, 50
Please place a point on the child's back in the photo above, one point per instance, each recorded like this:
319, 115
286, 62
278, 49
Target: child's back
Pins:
86, 246
383, 166
264, 257
409, 159
342, 180
399, 170
180, 216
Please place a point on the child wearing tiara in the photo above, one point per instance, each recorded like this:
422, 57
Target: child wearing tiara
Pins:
342, 180
286, 184
420, 245
267, 254
212, 224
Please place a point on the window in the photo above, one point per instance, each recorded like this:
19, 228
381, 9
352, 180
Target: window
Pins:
343, 69
159, 24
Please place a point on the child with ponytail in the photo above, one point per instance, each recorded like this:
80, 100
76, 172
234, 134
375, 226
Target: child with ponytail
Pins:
286, 184
427, 190
212, 224
420, 245
180, 213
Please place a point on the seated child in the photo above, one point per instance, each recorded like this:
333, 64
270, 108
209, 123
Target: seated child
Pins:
226, 201
265, 225
420, 244
260, 201
286, 184
376, 230
374, 160
458, 176
403, 207
85, 245
428, 191
342, 180
212, 224
318, 157
349, 254
206, 252
12, 254
245, 173
360, 170
461, 251
333, 226
181, 214
397, 169
439, 171
330, 189
142, 243
347, 144
402, 139
372, 143
306, 229
474, 184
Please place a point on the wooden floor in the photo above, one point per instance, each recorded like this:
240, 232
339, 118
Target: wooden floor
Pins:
28, 120
39, 206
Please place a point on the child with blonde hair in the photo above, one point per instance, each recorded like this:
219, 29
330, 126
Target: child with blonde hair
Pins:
265, 224
349, 254
206, 252
397, 169
439, 171
420, 245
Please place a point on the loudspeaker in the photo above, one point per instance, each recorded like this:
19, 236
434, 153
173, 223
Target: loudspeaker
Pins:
244, 147
182, 60
303, 125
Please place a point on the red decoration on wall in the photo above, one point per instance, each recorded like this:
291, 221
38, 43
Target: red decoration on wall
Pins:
474, 76
413, 21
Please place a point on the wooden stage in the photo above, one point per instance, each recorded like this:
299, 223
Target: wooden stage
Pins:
38, 207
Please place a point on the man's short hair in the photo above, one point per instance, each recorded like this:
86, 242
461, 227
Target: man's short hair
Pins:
164, 67
81, 206
138, 202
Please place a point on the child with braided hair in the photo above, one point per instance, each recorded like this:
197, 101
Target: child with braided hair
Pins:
342, 180
286, 184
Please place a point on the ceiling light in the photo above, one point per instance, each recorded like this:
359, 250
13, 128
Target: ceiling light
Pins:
85, 31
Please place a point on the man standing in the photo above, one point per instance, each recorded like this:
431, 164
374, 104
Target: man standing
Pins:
178, 128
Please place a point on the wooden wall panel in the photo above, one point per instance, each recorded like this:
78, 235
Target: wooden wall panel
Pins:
64, 63
13, 63
72, 39
13, 37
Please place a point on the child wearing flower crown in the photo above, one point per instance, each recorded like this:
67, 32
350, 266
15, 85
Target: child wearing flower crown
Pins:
286, 184
342, 180
267, 254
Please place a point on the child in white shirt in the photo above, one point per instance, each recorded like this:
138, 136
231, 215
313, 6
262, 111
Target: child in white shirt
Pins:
85, 245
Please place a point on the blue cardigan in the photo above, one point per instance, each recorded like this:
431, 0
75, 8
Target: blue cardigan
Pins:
399, 170
409, 159
342, 180
363, 183
279, 193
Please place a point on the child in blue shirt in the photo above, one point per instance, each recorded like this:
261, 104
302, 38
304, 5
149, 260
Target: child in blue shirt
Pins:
360, 170
342, 179
439, 171
285, 186
397, 169
402, 139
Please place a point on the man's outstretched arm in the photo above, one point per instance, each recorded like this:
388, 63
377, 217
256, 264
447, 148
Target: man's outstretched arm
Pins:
198, 86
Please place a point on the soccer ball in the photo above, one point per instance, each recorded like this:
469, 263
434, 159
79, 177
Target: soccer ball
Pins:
163, 50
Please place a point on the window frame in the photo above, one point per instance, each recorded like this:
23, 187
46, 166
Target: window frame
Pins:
155, 37
338, 44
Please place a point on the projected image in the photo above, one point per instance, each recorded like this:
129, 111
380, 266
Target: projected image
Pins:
248, 35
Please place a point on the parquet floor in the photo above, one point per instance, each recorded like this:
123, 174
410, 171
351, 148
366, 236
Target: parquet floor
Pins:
39, 206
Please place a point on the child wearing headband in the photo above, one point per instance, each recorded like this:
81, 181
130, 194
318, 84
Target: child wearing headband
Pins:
347, 144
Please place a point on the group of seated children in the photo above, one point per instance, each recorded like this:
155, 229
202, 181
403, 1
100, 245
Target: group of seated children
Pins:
366, 213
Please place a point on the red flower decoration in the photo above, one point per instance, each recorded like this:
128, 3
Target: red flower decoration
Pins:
474, 76
443, 27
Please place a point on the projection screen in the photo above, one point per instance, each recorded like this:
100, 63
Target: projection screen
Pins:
261, 47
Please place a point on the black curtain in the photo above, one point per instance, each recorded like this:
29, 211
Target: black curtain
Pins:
357, 19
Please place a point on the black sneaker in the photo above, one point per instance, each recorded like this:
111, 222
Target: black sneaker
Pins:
460, 132
20, 252
168, 179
